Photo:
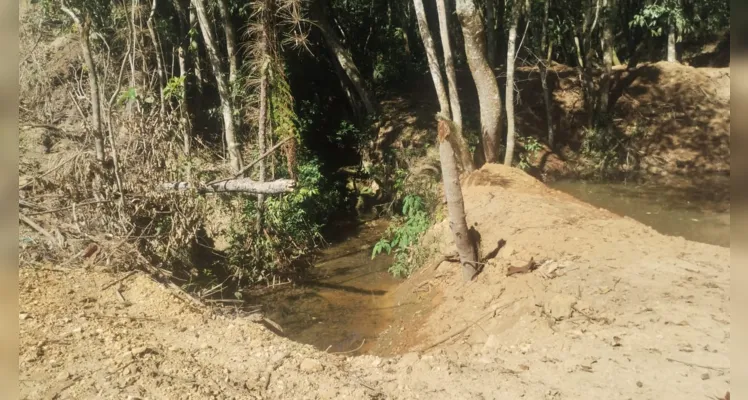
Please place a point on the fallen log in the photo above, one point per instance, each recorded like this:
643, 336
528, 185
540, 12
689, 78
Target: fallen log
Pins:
239, 185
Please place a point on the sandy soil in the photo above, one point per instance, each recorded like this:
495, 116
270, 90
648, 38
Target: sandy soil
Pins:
615, 310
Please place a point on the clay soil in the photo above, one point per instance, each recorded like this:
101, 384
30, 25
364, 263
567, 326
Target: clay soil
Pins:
615, 310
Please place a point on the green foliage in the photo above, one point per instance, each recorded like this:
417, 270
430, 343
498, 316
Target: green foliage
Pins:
654, 17
403, 237
290, 230
174, 88
531, 146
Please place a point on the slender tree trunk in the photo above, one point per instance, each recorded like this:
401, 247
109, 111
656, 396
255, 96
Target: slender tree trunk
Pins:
224, 91
183, 54
159, 59
93, 80
455, 204
546, 46
509, 100
433, 60
450, 174
485, 80
263, 112
194, 24
231, 47
491, 33
672, 54
342, 56
606, 22
454, 100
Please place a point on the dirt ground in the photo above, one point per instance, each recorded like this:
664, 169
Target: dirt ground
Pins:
615, 310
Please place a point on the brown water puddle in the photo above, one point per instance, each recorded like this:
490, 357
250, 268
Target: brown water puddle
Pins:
699, 213
346, 304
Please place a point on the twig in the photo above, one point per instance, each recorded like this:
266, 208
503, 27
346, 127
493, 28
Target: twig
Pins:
39, 229
470, 325
351, 351
118, 280
697, 365
252, 164
87, 203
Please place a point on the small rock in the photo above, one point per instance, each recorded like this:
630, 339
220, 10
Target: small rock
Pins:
310, 365
492, 343
639, 384
23, 316
705, 376
278, 357
64, 375
377, 362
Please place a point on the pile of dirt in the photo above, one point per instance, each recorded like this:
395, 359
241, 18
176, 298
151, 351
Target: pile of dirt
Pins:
615, 309
677, 116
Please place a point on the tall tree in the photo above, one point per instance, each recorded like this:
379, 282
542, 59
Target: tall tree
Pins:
450, 174
454, 99
485, 80
84, 23
231, 47
341, 55
546, 50
160, 67
224, 90
509, 100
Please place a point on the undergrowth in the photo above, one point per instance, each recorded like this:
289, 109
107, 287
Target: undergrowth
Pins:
404, 235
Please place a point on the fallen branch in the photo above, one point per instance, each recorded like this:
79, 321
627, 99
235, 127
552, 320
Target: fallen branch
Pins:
241, 185
697, 365
39, 229
252, 164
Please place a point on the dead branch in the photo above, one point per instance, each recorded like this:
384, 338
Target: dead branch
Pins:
241, 185
39, 229
252, 164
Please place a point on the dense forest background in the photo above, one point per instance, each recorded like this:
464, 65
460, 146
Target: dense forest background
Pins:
212, 139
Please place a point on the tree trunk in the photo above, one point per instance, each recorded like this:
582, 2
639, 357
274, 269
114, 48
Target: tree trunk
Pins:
263, 112
231, 47
606, 25
240, 185
672, 55
159, 59
93, 81
198, 69
546, 46
509, 100
183, 54
450, 174
433, 60
224, 91
455, 205
454, 99
491, 33
485, 80
342, 56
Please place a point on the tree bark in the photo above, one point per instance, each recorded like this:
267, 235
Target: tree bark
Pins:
433, 61
672, 54
606, 22
485, 80
263, 113
231, 47
93, 80
546, 47
342, 56
159, 59
454, 99
198, 69
455, 204
240, 185
183, 54
509, 100
224, 91
491, 33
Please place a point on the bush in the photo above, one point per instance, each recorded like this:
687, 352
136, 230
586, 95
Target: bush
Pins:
404, 236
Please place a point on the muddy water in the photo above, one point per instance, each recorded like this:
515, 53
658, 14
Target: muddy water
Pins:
699, 213
345, 304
